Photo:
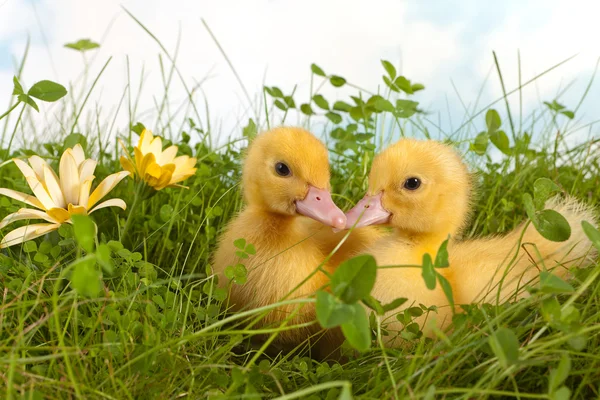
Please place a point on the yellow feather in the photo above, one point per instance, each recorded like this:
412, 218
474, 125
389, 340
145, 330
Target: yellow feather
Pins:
423, 218
287, 257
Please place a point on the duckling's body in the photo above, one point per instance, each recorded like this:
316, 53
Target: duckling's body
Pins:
399, 275
422, 189
285, 179
285, 257
485, 267
358, 240
404, 279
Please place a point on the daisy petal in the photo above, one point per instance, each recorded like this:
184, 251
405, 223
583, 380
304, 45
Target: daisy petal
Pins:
167, 156
77, 210
123, 147
26, 170
164, 180
180, 177
37, 164
35, 183
110, 203
184, 162
59, 214
78, 154
25, 198
69, 177
40, 192
106, 186
53, 187
139, 157
145, 139
26, 213
169, 167
126, 159
154, 170
156, 145
86, 169
191, 164
148, 161
84, 191
127, 165
26, 233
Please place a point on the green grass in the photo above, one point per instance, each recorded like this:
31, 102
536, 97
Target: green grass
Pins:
157, 328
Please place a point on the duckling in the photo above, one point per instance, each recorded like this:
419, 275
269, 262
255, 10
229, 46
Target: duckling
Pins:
358, 239
423, 190
285, 179
340, 245
494, 281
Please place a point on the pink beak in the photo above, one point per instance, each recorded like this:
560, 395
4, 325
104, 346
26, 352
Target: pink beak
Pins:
319, 206
368, 211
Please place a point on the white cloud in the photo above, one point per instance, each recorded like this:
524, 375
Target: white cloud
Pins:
282, 39
570, 28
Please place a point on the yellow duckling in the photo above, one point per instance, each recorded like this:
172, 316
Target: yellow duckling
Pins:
422, 189
358, 239
285, 179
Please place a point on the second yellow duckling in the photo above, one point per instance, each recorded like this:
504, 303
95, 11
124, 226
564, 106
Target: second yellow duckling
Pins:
285, 179
422, 189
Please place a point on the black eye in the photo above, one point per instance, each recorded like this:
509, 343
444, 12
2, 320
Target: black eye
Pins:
412, 183
282, 169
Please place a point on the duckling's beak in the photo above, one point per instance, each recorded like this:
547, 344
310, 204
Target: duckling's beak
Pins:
368, 211
319, 206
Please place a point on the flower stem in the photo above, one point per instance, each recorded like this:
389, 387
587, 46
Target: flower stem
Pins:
132, 209
7, 151
10, 109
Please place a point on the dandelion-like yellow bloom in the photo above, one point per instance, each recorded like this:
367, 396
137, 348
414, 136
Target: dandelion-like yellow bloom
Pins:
158, 168
57, 199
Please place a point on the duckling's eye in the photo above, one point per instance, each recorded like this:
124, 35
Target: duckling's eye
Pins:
412, 183
282, 169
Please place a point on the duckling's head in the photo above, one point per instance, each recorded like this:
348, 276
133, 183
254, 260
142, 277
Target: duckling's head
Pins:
286, 171
418, 187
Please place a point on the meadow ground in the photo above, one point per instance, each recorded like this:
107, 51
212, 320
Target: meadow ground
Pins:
137, 314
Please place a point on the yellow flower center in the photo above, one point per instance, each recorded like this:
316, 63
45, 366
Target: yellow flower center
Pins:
61, 215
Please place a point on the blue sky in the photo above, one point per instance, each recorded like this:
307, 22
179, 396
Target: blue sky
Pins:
5, 56
443, 44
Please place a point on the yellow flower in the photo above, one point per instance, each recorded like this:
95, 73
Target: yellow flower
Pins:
57, 199
158, 168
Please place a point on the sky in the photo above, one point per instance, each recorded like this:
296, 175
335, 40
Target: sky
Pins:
446, 45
